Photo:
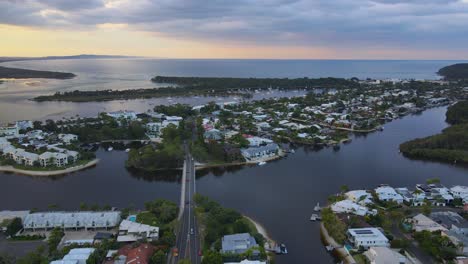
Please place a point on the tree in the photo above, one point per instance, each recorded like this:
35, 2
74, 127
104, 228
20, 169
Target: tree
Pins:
344, 188
14, 226
426, 208
212, 257
159, 257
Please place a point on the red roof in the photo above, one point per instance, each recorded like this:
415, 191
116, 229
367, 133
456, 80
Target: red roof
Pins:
136, 255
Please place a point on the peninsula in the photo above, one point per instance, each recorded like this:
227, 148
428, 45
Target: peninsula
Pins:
457, 71
14, 73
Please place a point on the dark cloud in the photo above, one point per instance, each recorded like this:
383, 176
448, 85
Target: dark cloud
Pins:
337, 23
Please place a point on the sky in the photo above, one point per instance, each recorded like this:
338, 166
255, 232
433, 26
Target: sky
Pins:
269, 29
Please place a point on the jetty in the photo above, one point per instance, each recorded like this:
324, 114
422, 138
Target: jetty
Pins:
315, 217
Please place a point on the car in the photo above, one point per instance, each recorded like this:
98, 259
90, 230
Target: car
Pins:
199, 253
187, 202
191, 231
175, 252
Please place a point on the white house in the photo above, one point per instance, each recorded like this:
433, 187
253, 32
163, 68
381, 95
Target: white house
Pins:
348, 206
387, 193
255, 153
460, 192
9, 130
257, 141
130, 231
74, 220
361, 197
24, 124
67, 138
75, 256
123, 115
53, 158
154, 128
367, 237
384, 255
421, 222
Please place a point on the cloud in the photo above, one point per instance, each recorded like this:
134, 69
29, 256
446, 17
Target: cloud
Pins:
326, 23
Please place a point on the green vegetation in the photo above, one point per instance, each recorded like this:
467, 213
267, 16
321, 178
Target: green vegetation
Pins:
13, 227
335, 227
218, 222
166, 155
191, 86
23, 73
449, 146
182, 110
54, 239
457, 71
437, 245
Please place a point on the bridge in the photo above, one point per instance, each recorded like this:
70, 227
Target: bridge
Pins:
188, 239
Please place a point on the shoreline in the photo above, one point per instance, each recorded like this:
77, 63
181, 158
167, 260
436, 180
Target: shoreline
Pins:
49, 173
209, 166
261, 230
337, 248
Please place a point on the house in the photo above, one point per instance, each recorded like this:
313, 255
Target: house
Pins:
9, 130
414, 199
130, 231
130, 254
421, 222
67, 138
53, 159
123, 115
451, 221
237, 243
213, 134
367, 237
246, 261
384, 255
387, 193
350, 207
173, 118
24, 124
254, 153
361, 197
460, 192
75, 256
257, 141
154, 128
7, 216
71, 220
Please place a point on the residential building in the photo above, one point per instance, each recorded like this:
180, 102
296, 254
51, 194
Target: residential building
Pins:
71, 220
24, 124
460, 192
213, 134
9, 130
130, 231
257, 141
451, 221
254, 153
387, 193
75, 256
361, 197
237, 243
384, 255
123, 115
67, 138
350, 207
154, 128
53, 159
421, 222
367, 237
130, 254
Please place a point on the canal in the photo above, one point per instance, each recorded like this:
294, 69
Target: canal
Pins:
280, 195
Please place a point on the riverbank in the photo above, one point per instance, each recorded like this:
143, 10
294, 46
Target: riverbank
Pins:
339, 249
202, 166
49, 173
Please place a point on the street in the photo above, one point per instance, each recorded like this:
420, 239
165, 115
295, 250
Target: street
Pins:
188, 239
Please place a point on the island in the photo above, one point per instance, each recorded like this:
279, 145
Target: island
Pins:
449, 146
14, 73
457, 71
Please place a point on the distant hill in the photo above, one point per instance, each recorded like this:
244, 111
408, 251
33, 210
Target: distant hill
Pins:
72, 57
13, 73
457, 71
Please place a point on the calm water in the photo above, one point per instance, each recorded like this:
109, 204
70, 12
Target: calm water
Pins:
99, 74
280, 195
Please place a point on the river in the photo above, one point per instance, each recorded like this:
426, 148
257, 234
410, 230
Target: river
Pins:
280, 195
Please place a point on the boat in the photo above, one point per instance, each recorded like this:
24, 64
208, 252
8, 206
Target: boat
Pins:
317, 208
261, 163
110, 149
315, 217
283, 249
329, 248
293, 151
127, 150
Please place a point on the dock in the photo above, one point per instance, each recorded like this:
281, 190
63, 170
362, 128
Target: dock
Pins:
317, 208
315, 217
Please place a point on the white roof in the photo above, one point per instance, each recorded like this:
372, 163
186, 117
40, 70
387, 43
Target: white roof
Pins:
367, 234
6, 215
72, 219
384, 255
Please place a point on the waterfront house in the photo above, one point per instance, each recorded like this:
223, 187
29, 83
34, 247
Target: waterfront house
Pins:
53, 159
9, 130
367, 237
67, 138
130, 254
237, 243
387, 193
421, 222
451, 221
257, 141
24, 124
415, 199
130, 231
130, 115
75, 256
460, 192
361, 197
71, 220
384, 255
254, 153
350, 207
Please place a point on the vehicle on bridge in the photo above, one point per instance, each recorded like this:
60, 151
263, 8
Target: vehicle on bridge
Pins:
175, 252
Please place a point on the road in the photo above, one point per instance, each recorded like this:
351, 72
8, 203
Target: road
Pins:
188, 238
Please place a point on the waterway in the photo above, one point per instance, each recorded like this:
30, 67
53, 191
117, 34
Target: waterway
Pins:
280, 195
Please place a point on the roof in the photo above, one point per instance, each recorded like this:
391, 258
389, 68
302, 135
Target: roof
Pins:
237, 243
449, 219
6, 215
72, 219
75, 256
254, 150
384, 255
364, 234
